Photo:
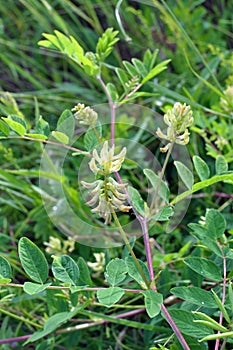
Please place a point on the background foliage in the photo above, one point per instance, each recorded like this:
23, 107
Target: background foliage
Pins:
197, 37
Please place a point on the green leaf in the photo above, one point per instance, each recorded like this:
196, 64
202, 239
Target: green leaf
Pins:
116, 271
195, 295
4, 280
210, 322
47, 44
61, 137
105, 43
33, 260
206, 237
149, 58
84, 278
221, 307
141, 69
185, 174
66, 123
217, 336
110, 296
65, 43
42, 127
200, 185
90, 138
215, 223
130, 69
65, 269
204, 267
123, 77
34, 288
230, 293
155, 71
163, 189
4, 129
112, 90
153, 302
37, 136
201, 167
15, 126
78, 50
134, 273
136, 200
184, 321
163, 214
5, 269
55, 321
51, 42
221, 165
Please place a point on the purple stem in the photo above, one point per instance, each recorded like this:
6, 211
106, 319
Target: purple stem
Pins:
165, 312
16, 339
113, 115
86, 289
143, 223
174, 327
128, 314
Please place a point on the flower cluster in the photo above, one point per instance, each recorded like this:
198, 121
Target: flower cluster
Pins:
106, 195
106, 163
178, 119
85, 115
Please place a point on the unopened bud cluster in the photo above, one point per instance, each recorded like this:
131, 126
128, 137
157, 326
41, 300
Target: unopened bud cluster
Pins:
85, 115
107, 194
132, 83
178, 119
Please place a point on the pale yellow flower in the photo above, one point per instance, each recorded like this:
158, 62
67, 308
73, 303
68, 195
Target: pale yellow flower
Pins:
106, 163
85, 115
99, 264
225, 102
178, 119
107, 195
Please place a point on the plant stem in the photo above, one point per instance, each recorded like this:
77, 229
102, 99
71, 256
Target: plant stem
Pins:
20, 318
132, 92
165, 312
174, 328
162, 174
96, 134
15, 339
223, 298
126, 241
57, 144
144, 225
112, 110
86, 289
143, 222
